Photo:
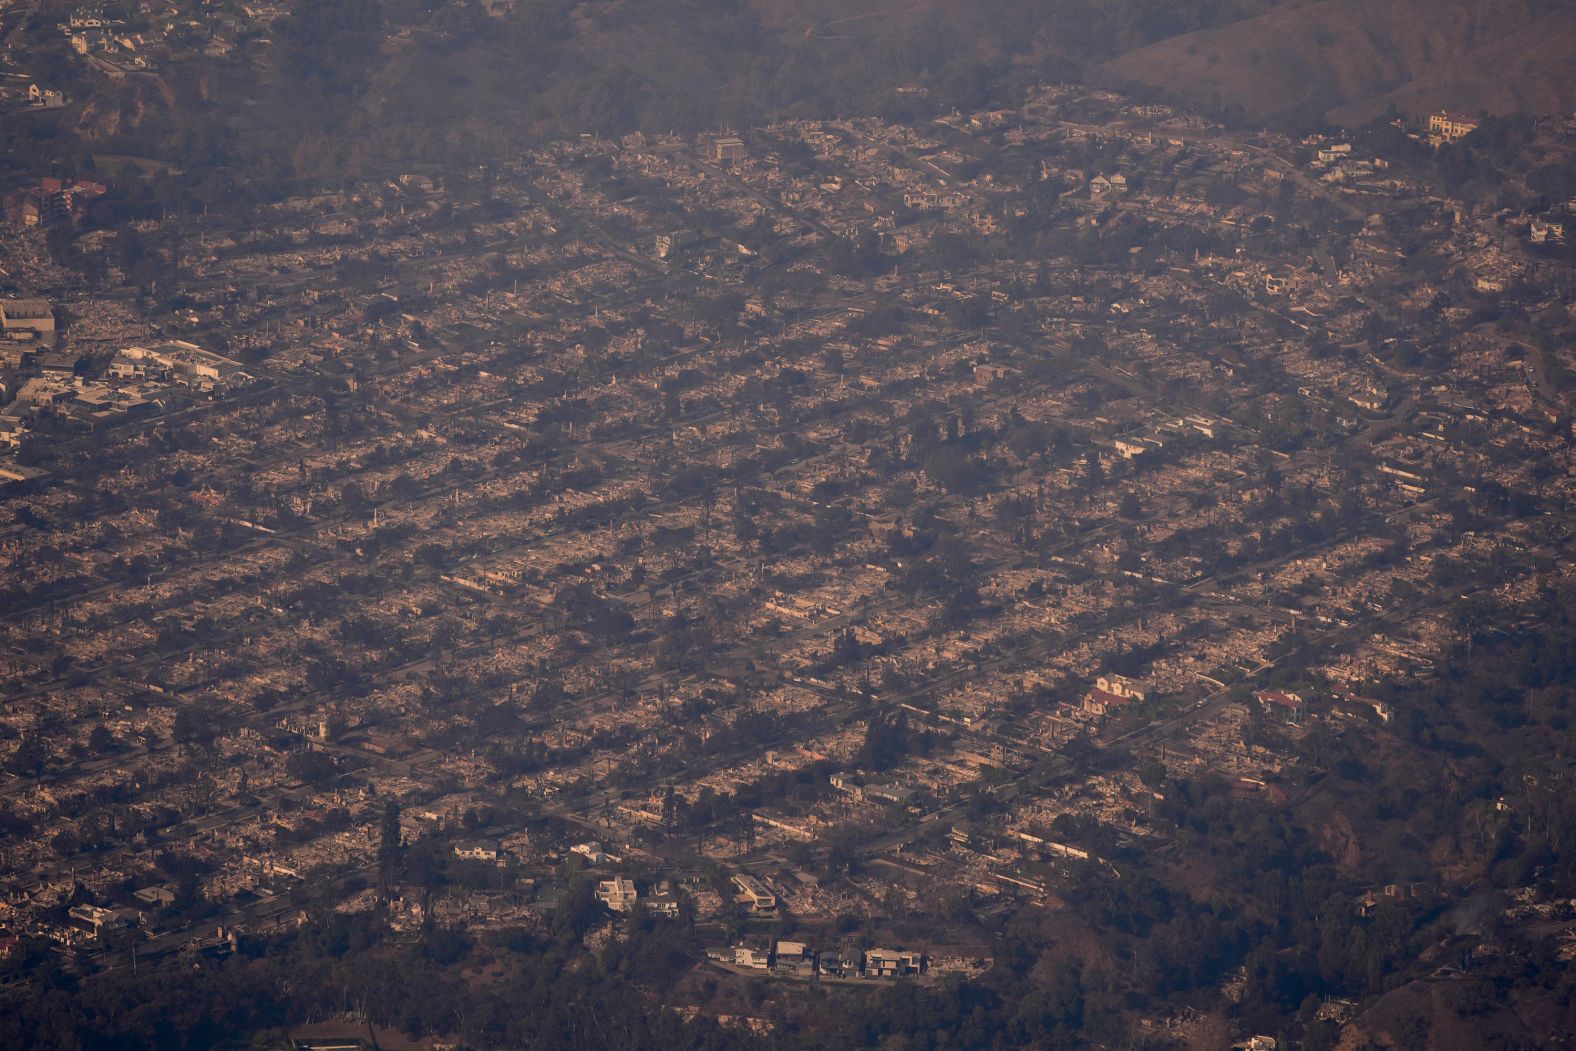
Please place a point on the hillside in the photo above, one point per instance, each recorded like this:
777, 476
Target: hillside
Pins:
1350, 60
1528, 71
351, 85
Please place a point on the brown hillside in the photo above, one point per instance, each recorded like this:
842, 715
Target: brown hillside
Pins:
1530, 71
1350, 59
1458, 1012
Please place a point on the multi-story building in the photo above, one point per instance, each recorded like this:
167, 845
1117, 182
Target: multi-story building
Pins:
28, 319
618, 893
728, 150
1451, 127
892, 963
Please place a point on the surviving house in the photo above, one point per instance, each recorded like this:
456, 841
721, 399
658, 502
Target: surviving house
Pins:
892, 963
753, 892
476, 850
728, 150
1288, 707
1451, 127
618, 893
30, 320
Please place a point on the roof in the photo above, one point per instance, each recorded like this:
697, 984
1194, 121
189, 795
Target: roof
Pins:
25, 308
1109, 699
1279, 697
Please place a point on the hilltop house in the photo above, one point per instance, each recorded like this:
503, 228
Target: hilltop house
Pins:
1451, 127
